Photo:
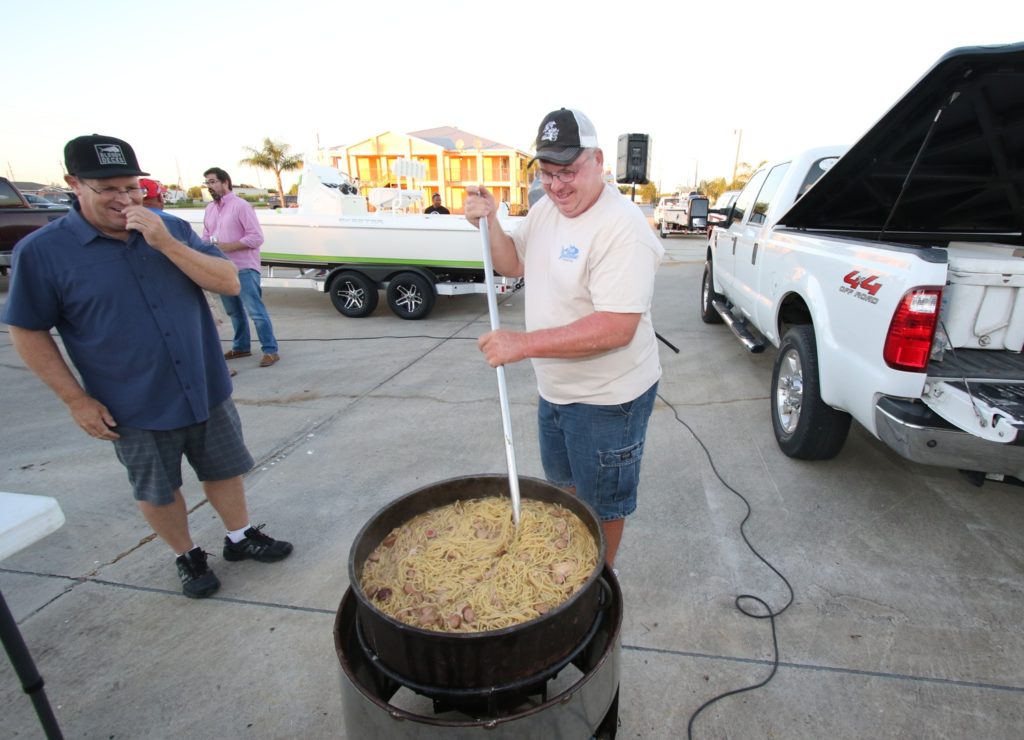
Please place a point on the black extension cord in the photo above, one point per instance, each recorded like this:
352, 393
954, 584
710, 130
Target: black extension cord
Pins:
742, 598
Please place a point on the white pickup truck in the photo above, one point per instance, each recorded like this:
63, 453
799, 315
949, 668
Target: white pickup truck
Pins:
891, 276
681, 214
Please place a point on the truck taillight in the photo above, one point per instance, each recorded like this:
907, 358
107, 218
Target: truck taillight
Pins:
909, 341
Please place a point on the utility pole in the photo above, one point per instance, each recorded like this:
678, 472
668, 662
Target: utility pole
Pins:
736, 163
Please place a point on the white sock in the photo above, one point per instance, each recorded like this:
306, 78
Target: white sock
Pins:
179, 554
238, 535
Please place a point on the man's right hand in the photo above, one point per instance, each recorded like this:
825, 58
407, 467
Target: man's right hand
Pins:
502, 347
480, 203
93, 417
150, 225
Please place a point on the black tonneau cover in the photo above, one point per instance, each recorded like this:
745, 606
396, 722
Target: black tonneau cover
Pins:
968, 181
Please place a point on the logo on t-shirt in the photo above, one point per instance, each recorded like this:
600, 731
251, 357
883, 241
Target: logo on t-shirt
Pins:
569, 253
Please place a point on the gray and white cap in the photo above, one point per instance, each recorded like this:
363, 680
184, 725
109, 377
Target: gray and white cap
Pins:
563, 135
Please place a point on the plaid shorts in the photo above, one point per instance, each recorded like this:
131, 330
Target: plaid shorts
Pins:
214, 448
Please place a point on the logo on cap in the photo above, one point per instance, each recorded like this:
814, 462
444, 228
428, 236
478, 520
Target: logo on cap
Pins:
550, 132
109, 154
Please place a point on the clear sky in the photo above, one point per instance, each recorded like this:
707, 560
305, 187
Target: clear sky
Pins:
189, 83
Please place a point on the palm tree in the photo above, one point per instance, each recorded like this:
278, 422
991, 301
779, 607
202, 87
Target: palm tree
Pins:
274, 157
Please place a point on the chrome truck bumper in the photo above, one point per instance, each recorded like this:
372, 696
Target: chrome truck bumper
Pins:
918, 434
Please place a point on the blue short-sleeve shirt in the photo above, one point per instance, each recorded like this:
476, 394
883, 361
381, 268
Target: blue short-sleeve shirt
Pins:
136, 328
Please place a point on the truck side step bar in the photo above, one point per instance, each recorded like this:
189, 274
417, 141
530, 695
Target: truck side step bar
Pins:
751, 338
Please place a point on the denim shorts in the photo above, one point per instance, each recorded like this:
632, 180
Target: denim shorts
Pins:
597, 449
214, 448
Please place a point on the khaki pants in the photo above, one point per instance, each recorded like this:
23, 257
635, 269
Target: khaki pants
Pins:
220, 317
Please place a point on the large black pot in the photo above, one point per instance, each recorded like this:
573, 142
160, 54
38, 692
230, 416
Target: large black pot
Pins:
480, 659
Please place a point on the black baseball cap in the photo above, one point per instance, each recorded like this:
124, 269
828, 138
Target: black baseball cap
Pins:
97, 156
562, 135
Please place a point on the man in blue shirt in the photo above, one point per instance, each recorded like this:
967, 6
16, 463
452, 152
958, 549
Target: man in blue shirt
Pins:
123, 286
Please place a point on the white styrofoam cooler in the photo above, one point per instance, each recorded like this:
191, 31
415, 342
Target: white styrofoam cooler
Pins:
983, 302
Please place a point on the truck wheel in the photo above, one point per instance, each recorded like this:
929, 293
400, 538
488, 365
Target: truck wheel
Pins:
805, 427
410, 296
353, 294
661, 230
708, 314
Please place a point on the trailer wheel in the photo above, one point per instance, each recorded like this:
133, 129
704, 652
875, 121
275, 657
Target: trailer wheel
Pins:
805, 426
353, 294
410, 296
708, 314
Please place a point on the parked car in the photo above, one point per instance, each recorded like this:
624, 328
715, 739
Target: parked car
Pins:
666, 203
65, 198
38, 201
683, 214
18, 217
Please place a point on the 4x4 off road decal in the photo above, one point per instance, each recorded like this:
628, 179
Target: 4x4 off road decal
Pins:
861, 287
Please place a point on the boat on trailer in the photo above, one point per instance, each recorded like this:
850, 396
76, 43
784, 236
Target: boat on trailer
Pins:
343, 248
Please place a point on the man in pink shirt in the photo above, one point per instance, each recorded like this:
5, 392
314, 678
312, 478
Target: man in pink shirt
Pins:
231, 225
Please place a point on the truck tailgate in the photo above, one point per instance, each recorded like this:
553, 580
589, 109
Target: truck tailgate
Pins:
979, 391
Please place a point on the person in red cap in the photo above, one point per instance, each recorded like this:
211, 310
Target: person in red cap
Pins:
153, 197
589, 260
123, 287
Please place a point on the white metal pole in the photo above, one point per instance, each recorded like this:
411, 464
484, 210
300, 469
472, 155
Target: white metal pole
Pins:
506, 421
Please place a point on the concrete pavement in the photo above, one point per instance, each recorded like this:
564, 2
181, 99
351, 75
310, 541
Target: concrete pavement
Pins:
909, 582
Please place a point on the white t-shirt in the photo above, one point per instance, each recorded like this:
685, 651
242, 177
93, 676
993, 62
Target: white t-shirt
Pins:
602, 260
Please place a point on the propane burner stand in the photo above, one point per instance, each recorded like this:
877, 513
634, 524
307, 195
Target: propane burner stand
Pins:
380, 703
494, 701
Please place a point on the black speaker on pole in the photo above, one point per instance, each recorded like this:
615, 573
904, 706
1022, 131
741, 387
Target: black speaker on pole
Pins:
634, 159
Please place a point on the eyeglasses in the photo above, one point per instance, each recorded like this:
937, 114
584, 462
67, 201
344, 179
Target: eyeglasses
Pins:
111, 193
212, 182
562, 175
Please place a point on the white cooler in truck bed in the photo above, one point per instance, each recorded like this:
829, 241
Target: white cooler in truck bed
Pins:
983, 301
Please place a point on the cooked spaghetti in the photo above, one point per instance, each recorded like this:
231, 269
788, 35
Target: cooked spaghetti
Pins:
464, 567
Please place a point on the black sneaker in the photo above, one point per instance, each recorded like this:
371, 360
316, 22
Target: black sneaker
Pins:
257, 546
197, 580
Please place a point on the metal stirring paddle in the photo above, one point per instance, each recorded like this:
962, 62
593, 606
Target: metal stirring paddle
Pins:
506, 421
